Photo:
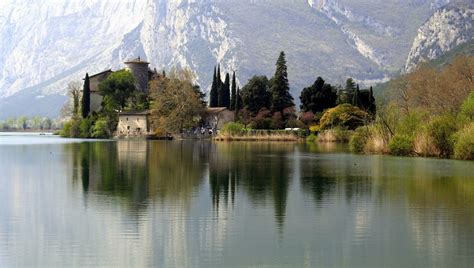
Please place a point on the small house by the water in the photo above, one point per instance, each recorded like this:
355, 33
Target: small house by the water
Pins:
133, 124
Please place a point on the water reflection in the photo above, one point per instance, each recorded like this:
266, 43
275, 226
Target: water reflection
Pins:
139, 203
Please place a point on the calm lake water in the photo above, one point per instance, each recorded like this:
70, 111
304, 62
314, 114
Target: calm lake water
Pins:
186, 204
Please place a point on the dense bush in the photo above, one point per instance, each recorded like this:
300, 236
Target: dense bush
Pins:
344, 115
100, 130
312, 138
464, 146
232, 128
85, 127
359, 140
401, 145
441, 129
71, 128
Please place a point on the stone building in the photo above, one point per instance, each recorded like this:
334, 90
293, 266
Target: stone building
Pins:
140, 71
133, 124
216, 118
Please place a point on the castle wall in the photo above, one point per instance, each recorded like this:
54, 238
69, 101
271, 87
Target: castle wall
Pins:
139, 71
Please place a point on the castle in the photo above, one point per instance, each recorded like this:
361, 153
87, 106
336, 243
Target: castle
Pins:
138, 68
130, 123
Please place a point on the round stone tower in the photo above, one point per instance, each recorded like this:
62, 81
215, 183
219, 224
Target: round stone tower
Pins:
139, 70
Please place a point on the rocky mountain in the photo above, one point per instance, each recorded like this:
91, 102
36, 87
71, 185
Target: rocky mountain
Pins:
448, 28
45, 44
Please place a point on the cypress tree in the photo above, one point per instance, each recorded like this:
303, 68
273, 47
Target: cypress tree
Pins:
214, 95
372, 106
218, 76
224, 93
238, 101
280, 88
86, 97
355, 98
233, 92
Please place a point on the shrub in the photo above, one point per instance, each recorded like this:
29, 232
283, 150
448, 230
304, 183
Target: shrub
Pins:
85, 127
232, 128
401, 145
410, 124
314, 129
344, 115
100, 129
441, 129
312, 138
71, 129
464, 146
467, 108
359, 140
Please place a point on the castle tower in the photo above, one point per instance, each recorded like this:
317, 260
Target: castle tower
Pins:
139, 70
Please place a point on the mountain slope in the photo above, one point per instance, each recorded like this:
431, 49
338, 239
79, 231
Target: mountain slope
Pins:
449, 27
45, 44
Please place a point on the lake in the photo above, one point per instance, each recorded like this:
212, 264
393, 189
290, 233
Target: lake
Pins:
201, 204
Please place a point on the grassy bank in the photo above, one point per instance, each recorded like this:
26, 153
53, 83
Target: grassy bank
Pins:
237, 132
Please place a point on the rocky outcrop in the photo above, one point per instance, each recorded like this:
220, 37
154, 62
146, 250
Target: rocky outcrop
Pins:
449, 27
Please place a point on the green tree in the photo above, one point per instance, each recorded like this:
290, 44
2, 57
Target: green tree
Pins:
214, 95
280, 88
224, 93
21, 122
355, 97
372, 109
233, 93
350, 85
344, 115
86, 98
318, 97
256, 94
176, 104
117, 89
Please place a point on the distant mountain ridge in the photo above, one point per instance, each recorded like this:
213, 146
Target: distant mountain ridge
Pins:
44, 45
448, 28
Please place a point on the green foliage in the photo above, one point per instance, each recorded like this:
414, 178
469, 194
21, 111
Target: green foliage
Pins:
86, 98
464, 145
214, 94
467, 108
318, 97
401, 145
85, 127
232, 128
344, 115
359, 140
71, 129
138, 101
100, 129
116, 89
441, 129
256, 95
233, 93
224, 93
410, 123
312, 138
350, 85
280, 88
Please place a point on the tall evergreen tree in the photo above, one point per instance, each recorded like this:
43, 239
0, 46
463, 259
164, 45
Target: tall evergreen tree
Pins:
318, 97
238, 103
280, 88
355, 98
218, 76
350, 85
233, 93
214, 95
372, 106
86, 97
255, 94
224, 93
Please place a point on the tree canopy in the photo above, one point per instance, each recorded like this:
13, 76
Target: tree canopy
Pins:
177, 104
279, 86
256, 94
318, 97
117, 89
